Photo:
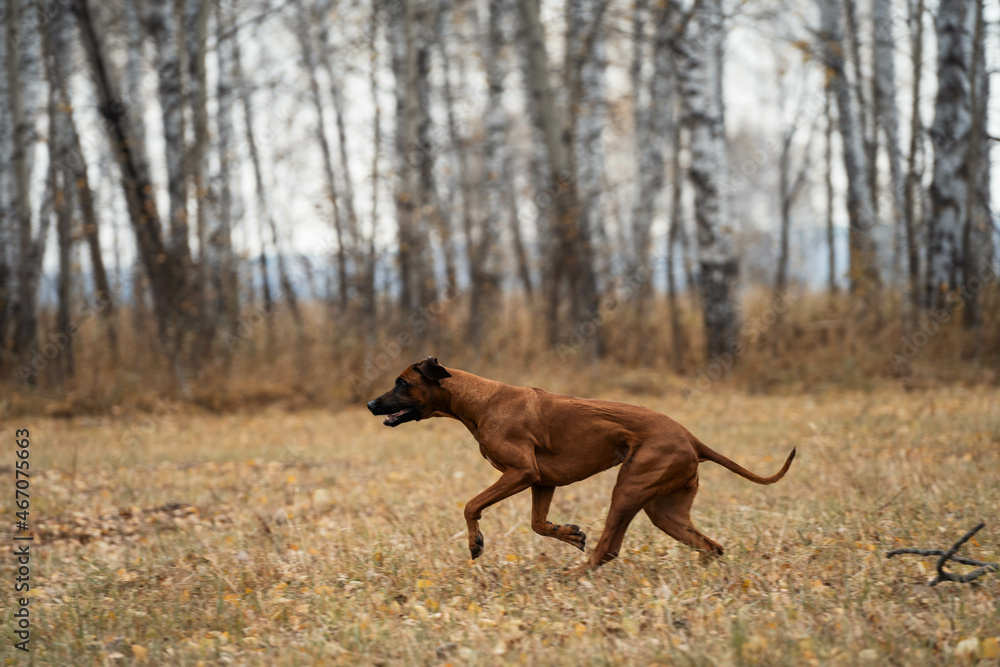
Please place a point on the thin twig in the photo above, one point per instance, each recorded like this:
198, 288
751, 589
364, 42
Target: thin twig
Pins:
889, 502
945, 556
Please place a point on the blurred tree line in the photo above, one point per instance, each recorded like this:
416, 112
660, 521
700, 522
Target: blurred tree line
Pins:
359, 159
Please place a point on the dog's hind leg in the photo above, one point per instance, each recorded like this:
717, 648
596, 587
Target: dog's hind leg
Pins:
541, 498
626, 501
671, 513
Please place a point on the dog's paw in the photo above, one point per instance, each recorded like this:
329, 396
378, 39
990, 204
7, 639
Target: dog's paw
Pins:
573, 535
476, 549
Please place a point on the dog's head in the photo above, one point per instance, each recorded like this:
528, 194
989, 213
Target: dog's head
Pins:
416, 395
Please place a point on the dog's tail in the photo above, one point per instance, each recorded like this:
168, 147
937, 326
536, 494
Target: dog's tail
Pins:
705, 453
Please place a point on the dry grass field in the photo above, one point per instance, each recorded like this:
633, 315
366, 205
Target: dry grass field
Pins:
311, 537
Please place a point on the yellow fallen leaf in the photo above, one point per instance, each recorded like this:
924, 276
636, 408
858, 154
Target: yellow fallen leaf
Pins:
139, 652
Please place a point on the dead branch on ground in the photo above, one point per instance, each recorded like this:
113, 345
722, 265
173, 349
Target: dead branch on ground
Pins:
945, 556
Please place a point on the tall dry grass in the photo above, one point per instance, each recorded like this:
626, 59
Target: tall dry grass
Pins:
314, 537
798, 341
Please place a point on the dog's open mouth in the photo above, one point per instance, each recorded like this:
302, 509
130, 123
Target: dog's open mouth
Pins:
397, 418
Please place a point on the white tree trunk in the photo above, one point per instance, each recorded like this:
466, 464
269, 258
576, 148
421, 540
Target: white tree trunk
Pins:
913, 190
371, 260
263, 203
588, 115
432, 218
655, 121
223, 269
863, 265
701, 86
327, 55
135, 179
75, 164
135, 102
950, 134
404, 67
162, 21
569, 252
195, 35
63, 184
195, 42
23, 86
7, 188
460, 169
309, 65
485, 269
888, 118
982, 212
977, 234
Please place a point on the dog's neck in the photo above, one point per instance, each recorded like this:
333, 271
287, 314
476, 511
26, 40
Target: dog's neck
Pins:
469, 395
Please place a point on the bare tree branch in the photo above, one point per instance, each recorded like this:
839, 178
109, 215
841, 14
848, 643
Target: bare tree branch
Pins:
945, 556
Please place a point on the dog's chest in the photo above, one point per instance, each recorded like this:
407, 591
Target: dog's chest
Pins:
482, 450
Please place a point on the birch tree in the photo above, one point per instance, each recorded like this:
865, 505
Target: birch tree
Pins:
432, 218
223, 270
266, 224
23, 64
407, 190
653, 117
74, 163
790, 184
888, 119
950, 134
911, 191
370, 296
701, 86
459, 149
831, 248
867, 122
326, 56
309, 66
162, 23
863, 257
586, 58
63, 190
134, 172
977, 233
195, 35
133, 88
569, 250
7, 241
485, 265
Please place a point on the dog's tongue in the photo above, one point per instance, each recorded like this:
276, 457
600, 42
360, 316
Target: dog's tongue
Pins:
394, 416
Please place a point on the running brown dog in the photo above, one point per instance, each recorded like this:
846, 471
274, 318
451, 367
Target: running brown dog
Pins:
540, 440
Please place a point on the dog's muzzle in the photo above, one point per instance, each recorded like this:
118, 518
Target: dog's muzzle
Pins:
394, 416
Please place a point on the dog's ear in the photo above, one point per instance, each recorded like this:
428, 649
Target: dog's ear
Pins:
431, 369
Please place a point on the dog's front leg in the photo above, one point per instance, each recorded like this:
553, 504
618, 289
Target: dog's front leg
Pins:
511, 482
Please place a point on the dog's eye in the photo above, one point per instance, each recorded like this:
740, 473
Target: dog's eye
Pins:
401, 383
